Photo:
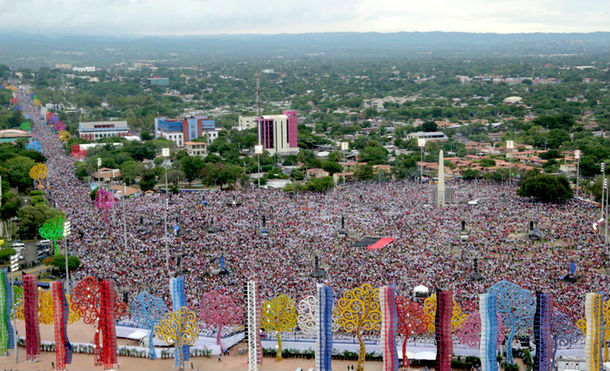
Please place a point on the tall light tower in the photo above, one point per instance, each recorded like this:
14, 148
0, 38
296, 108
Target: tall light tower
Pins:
421, 143
344, 147
258, 149
510, 145
67, 233
165, 153
577, 157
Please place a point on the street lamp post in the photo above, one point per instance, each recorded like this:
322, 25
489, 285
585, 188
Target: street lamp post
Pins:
344, 147
577, 156
421, 143
67, 232
258, 149
601, 214
14, 268
510, 146
165, 153
125, 218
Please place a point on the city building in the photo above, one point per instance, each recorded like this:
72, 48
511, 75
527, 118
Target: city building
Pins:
159, 81
185, 130
12, 135
84, 69
432, 136
278, 133
94, 130
196, 148
246, 122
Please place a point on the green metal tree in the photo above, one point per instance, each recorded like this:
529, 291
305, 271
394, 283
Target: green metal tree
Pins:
53, 229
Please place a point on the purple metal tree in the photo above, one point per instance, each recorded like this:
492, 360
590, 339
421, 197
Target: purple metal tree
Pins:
469, 333
104, 200
564, 332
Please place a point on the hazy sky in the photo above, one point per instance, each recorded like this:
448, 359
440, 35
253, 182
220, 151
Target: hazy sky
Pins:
176, 17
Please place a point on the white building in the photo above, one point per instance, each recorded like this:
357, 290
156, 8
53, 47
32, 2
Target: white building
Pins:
196, 148
84, 69
246, 122
175, 136
432, 136
94, 130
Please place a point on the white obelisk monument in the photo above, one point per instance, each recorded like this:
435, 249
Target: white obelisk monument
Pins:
440, 192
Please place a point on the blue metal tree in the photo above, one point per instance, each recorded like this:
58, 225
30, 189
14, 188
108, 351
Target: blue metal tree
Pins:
34, 146
517, 307
147, 311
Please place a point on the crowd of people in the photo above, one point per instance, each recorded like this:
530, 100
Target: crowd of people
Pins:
427, 249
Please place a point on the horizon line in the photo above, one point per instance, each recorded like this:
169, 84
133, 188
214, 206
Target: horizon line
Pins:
67, 34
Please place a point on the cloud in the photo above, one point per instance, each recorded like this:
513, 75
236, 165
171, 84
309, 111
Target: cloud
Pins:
179, 17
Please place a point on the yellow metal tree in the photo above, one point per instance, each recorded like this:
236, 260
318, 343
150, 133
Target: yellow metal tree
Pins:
64, 135
359, 311
38, 172
45, 308
457, 316
279, 315
582, 325
178, 328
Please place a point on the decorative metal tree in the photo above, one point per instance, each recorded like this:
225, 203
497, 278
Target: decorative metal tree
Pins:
457, 316
6, 330
61, 318
469, 332
104, 200
34, 146
357, 311
279, 315
38, 172
180, 329
60, 126
147, 311
53, 229
308, 316
45, 309
64, 136
411, 321
517, 306
30, 311
582, 325
564, 332
77, 152
95, 303
218, 310
26, 126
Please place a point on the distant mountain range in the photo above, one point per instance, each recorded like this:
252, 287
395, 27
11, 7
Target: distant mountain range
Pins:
24, 47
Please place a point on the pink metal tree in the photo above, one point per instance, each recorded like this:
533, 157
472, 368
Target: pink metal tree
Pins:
104, 200
218, 310
469, 333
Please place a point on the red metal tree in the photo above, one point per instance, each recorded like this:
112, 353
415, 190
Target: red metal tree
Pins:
91, 299
411, 321
77, 152
218, 310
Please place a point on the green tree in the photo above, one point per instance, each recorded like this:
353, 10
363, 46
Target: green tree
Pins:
18, 172
332, 167
59, 262
547, 188
364, 172
469, 174
130, 170
192, 166
31, 218
429, 126
148, 180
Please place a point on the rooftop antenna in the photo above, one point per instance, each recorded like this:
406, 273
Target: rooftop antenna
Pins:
258, 93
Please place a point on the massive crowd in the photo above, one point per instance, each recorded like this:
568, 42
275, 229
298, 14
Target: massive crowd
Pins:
426, 251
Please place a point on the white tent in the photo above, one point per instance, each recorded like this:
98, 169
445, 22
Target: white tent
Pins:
421, 290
